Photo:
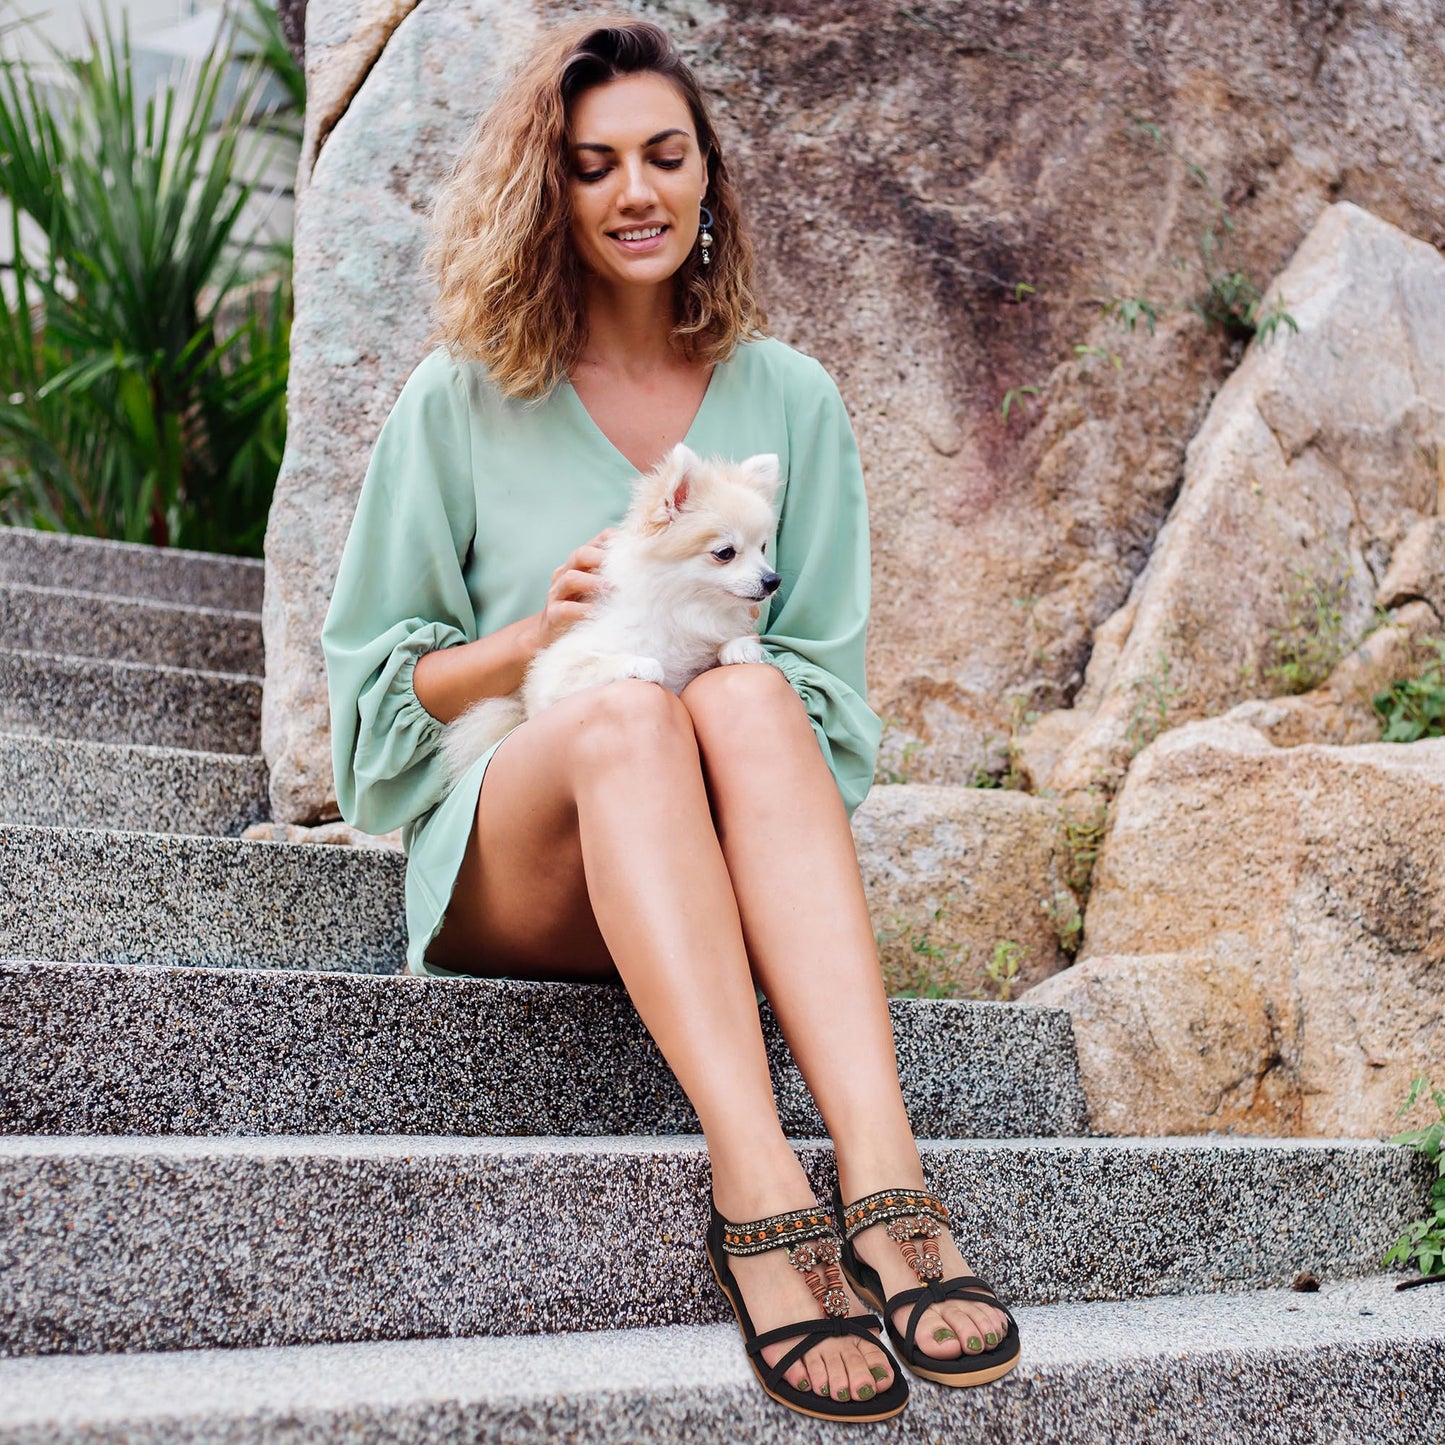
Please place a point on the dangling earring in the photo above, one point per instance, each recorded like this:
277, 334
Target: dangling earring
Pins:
705, 235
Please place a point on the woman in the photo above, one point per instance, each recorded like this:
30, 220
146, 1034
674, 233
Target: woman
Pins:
597, 300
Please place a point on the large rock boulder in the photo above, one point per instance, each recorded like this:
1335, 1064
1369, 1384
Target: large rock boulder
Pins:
1318, 455
1265, 941
968, 888
944, 199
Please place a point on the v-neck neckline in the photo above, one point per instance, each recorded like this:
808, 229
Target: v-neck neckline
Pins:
590, 422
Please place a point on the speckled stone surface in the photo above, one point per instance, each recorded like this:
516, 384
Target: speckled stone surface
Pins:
90, 895
63, 782
138, 1244
129, 569
1355, 1364
129, 702
143, 1050
126, 629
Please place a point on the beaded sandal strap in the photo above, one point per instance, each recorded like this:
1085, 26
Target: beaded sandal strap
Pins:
915, 1218
811, 1239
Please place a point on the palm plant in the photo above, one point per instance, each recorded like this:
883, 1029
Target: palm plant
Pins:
127, 409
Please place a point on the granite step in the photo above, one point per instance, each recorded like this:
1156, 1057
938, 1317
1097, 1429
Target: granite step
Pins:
67, 782
1354, 1362
94, 1049
130, 569
128, 629
149, 1244
96, 895
102, 701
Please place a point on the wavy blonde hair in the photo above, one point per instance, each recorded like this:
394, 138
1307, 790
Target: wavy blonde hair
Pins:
510, 283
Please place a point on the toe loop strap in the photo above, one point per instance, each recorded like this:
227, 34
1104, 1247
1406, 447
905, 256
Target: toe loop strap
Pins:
928, 1295
815, 1331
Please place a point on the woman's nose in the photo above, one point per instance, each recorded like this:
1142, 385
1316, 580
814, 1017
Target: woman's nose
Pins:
637, 189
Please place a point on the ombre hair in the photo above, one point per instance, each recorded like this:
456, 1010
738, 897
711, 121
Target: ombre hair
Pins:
510, 282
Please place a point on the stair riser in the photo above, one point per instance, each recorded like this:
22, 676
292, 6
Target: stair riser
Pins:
1386, 1394
122, 569
114, 703
45, 620
59, 783
95, 896
152, 1247
114, 1050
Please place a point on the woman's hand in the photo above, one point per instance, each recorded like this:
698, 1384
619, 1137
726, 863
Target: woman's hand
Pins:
576, 585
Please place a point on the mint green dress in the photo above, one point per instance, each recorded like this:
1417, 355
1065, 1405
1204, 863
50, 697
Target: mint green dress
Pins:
471, 499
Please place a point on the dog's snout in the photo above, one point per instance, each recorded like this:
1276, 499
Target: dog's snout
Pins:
769, 582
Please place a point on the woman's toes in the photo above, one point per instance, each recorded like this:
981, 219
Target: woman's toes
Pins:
860, 1378
877, 1365
838, 1384
966, 1324
936, 1335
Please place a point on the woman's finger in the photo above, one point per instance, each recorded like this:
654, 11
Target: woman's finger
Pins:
575, 584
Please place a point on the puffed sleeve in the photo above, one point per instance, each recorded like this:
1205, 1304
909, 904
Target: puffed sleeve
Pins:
400, 592
818, 622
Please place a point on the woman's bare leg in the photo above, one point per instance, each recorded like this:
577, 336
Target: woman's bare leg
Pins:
601, 798
790, 856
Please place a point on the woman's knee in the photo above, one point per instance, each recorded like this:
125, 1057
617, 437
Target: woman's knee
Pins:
746, 700
625, 723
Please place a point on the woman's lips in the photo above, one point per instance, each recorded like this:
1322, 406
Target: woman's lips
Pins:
648, 243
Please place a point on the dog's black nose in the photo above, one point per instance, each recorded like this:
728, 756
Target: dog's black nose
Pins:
769, 582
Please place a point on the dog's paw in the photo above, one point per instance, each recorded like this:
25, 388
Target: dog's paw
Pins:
741, 649
644, 669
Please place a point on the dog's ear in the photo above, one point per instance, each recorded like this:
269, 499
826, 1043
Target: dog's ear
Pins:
762, 472
668, 485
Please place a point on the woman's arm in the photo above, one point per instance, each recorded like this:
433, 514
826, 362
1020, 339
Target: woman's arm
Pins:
818, 622
447, 682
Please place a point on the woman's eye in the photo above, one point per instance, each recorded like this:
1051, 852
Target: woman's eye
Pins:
591, 175
725, 554
670, 165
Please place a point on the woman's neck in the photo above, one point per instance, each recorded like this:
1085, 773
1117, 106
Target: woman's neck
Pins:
628, 331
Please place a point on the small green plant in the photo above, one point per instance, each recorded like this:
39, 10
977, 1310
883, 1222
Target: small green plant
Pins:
1415, 707
1423, 1242
937, 962
1003, 967
1084, 832
1017, 396
1128, 311
1062, 910
895, 764
1305, 650
1232, 301
1154, 694
1085, 354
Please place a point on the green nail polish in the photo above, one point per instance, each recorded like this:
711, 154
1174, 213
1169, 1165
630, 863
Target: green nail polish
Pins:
841, 1395
974, 1343
802, 1385
944, 1333
877, 1371
991, 1338
866, 1392
822, 1389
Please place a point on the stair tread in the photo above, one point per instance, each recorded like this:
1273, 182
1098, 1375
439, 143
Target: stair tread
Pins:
1099, 1356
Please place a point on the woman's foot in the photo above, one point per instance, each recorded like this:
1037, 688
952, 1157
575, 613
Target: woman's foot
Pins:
947, 1330
776, 1294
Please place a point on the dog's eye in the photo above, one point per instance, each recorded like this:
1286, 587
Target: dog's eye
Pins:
725, 554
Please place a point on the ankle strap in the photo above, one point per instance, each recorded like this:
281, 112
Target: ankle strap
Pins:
891, 1204
778, 1231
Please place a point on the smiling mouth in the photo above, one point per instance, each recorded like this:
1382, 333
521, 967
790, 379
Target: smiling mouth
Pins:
635, 235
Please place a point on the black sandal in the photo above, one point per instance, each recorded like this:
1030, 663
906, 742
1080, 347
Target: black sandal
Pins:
915, 1219
814, 1249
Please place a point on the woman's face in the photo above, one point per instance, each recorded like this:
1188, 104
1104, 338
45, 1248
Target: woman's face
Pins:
638, 179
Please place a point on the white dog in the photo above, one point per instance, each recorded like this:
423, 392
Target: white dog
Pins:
686, 574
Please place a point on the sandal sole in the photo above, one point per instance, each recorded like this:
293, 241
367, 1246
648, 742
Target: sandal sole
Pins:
976, 1377
796, 1408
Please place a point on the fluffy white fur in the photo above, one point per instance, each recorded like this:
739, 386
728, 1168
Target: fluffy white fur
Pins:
675, 604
